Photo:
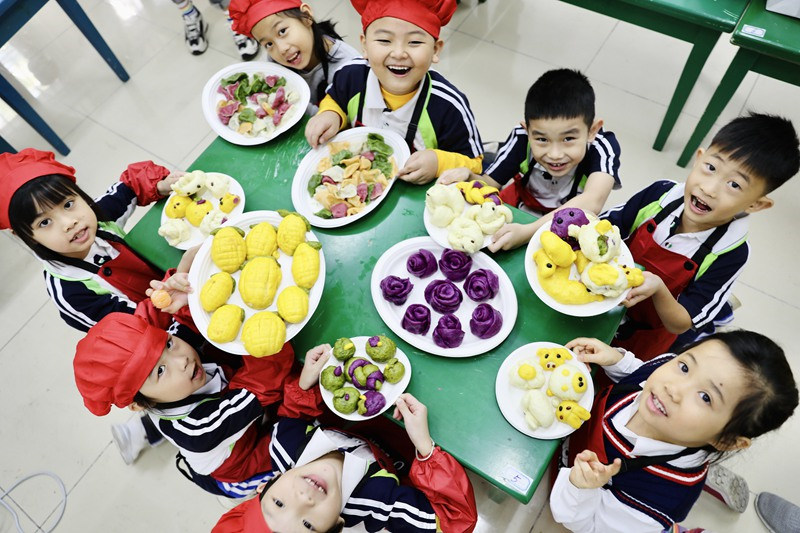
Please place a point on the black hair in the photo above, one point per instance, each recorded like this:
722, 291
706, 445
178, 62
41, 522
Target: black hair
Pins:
772, 396
336, 528
561, 93
143, 401
44, 192
767, 145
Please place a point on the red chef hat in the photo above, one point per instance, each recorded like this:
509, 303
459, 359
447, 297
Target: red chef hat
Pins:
430, 15
114, 359
18, 169
244, 518
247, 13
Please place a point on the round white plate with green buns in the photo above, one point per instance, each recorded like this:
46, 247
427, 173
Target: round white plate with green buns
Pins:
353, 192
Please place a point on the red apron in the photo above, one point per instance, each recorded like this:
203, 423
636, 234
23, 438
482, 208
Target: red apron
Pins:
518, 193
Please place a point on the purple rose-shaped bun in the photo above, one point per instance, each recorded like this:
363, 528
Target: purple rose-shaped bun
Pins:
562, 220
486, 321
421, 264
448, 332
396, 289
455, 265
417, 319
443, 295
482, 285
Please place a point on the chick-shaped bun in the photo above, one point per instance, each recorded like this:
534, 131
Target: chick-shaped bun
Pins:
190, 183
599, 239
229, 202
572, 413
217, 184
567, 383
176, 206
611, 279
538, 409
553, 356
196, 211
527, 373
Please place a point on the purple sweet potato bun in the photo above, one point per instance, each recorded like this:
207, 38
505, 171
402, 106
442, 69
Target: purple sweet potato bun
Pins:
443, 295
396, 289
455, 265
371, 403
448, 332
482, 285
486, 321
417, 319
421, 264
563, 218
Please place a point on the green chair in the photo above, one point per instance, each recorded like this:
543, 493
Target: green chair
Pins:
769, 44
699, 22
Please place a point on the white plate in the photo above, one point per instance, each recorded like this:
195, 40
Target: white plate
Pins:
440, 234
590, 309
203, 267
389, 390
509, 397
393, 262
302, 201
196, 236
210, 98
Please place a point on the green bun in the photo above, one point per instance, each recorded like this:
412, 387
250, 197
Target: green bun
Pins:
394, 370
381, 348
330, 380
343, 349
345, 400
350, 362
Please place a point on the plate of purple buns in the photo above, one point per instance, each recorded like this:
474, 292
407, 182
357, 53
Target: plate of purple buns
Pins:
443, 301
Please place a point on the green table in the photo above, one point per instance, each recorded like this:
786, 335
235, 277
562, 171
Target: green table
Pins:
464, 417
769, 44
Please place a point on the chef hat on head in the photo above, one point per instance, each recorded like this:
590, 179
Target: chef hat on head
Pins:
430, 15
18, 169
114, 359
247, 13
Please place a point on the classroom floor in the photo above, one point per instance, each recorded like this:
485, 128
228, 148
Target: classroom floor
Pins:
493, 52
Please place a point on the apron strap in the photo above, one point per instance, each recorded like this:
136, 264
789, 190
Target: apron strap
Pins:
667, 210
707, 246
419, 107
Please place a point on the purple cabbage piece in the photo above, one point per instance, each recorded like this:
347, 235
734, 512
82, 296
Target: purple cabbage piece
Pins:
443, 295
371, 403
448, 332
421, 264
482, 285
417, 319
486, 321
562, 220
395, 289
455, 265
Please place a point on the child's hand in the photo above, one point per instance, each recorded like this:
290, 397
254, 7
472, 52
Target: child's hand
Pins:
594, 351
415, 416
312, 368
420, 168
589, 473
322, 127
454, 175
187, 259
177, 286
652, 284
165, 186
511, 236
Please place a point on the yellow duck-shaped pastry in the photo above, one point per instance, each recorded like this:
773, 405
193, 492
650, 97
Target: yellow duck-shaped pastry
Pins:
572, 414
305, 264
228, 250
229, 202
263, 334
293, 304
225, 323
216, 291
555, 282
262, 240
538, 409
259, 282
557, 249
291, 231
197, 210
176, 206
553, 357
567, 383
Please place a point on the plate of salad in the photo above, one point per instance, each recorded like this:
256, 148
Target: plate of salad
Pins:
252, 103
347, 178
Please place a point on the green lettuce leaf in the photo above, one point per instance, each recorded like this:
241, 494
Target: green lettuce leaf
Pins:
233, 78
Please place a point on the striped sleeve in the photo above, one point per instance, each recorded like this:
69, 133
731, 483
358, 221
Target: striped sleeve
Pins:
452, 119
380, 503
511, 154
603, 156
117, 203
81, 307
624, 215
347, 82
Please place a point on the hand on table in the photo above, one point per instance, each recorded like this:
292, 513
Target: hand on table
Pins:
322, 127
589, 473
315, 361
594, 351
415, 416
420, 168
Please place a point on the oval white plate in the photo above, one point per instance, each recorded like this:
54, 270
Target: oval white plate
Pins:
203, 267
509, 397
196, 237
393, 262
210, 98
590, 309
302, 201
389, 390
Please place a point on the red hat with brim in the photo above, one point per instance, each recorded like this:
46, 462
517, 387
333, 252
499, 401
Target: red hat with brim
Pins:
244, 518
114, 359
247, 13
430, 15
18, 169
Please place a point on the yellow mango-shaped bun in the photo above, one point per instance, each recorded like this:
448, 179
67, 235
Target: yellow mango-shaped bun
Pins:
225, 323
291, 231
197, 210
581, 261
553, 357
572, 413
293, 304
555, 282
305, 264
262, 240
229, 202
216, 291
176, 206
557, 248
228, 250
259, 282
263, 334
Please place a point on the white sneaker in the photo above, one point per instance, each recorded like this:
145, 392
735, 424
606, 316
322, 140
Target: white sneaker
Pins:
194, 31
248, 48
727, 486
130, 438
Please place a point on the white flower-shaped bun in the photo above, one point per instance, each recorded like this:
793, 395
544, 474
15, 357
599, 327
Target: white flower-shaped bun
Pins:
527, 373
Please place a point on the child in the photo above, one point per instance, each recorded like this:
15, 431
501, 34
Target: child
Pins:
394, 88
209, 412
559, 157
691, 238
295, 40
326, 480
644, 454
194, 30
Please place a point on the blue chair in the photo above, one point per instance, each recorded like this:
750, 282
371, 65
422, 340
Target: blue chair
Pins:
13, 15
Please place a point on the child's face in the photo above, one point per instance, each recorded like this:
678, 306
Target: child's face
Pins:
688, 400
305, 498
719, 188
289, 41
399, 53
69, 228
559, 144
177, 374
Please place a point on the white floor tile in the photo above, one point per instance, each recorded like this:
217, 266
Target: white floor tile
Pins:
23, 292
7, 524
